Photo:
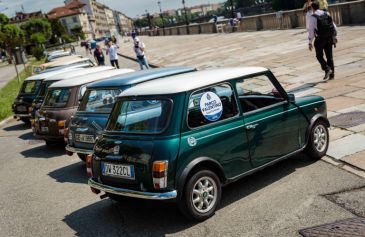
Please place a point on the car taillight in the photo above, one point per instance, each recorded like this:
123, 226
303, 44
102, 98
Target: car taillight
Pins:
61, 123
159, 174
89, 163
61, 126
65, 134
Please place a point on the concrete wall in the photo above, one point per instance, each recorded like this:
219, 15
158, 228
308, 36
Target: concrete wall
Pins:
343, 14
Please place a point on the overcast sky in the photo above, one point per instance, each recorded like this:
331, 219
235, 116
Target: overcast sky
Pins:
130, 7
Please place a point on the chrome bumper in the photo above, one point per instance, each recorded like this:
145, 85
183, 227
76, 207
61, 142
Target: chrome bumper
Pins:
78, 150
132, 193
22, 115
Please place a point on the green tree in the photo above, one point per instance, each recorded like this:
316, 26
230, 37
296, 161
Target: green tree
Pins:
10, 35
286, 4
37, 31
58, 30
77, 32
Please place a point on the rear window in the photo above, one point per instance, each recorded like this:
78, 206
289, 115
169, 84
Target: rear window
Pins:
99, 101
140, 116
30, 87
57, 97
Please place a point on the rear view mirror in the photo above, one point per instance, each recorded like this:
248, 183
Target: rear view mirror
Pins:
291, 98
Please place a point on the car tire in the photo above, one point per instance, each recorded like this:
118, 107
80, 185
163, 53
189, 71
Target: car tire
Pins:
26, 122
201, 196
82, 157
118, 198
318, 140
50, 143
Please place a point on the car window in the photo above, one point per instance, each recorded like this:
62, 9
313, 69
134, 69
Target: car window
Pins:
211, 105
44, 87
140, 116
57, 97
99, 101
30, 87
257, 92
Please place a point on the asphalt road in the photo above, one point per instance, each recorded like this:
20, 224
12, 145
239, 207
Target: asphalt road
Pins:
43, 192
7, 73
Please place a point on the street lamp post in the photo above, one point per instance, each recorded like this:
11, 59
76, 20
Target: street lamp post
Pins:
161, 15
186, 18
149, 20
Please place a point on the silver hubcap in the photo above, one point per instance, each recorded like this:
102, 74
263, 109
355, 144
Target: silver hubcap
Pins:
204, 194
320, 138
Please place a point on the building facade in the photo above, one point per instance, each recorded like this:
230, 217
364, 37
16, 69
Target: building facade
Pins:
22, 17
72, 16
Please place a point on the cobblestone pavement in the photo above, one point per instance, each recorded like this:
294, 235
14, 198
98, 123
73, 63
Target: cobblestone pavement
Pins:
286, 54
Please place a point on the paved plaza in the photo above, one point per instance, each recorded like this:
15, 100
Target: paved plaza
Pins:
285, 52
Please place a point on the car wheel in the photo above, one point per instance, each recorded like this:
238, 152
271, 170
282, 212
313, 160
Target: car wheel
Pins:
201, 196
82, 157
26, 121
50, 143
118, 198
318, 140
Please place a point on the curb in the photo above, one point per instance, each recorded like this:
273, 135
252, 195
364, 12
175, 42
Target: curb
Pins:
5, 121
133, 59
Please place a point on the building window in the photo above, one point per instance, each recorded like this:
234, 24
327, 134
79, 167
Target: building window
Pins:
74, 19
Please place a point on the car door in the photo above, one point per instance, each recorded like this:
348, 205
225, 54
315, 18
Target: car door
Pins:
270, 120
213, 129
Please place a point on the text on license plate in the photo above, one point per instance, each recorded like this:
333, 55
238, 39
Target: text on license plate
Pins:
84, 138
123, 171
21, 108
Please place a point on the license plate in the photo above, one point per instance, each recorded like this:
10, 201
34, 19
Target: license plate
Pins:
84, 138
21, 108
44, 129
116, 170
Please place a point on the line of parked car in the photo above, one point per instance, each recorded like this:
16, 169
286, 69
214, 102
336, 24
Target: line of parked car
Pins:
170, 133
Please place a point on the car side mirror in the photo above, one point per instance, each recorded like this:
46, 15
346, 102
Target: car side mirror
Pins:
291, 98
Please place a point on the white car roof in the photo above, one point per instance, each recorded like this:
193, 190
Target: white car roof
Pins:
85, 79
46, 75
190, 81
78, 72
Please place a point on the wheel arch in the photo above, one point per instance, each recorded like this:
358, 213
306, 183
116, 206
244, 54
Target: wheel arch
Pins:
314, 119
198, 164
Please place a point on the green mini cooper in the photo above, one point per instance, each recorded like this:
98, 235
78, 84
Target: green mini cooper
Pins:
184, 137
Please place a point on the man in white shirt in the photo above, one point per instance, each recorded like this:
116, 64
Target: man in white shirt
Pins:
323, 30
139, 49
112, 51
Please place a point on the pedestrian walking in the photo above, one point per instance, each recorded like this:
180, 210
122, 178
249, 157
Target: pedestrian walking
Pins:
323, 31
99, 56
113, 54
139, 49
323, 5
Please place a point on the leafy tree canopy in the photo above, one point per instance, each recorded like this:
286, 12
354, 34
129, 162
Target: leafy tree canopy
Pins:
37, 27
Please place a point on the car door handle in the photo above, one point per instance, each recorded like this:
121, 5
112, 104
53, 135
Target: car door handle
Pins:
252, 126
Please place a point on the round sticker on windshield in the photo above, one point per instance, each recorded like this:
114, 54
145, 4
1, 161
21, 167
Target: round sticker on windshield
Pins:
211, 106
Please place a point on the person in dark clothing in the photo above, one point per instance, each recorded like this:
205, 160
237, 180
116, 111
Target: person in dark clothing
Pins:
99, 56
323, 29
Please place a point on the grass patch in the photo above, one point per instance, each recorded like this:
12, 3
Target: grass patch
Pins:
10, 91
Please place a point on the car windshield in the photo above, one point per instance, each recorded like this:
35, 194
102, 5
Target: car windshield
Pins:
140, 116
57, 97
30, 87
99, 101
44, 88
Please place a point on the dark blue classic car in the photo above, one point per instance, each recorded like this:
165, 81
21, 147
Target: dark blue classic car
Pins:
97, 103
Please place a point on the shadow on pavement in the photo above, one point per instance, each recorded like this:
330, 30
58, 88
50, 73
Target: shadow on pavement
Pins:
19, 126
27, 136
44, 151
151, 218
74, 173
